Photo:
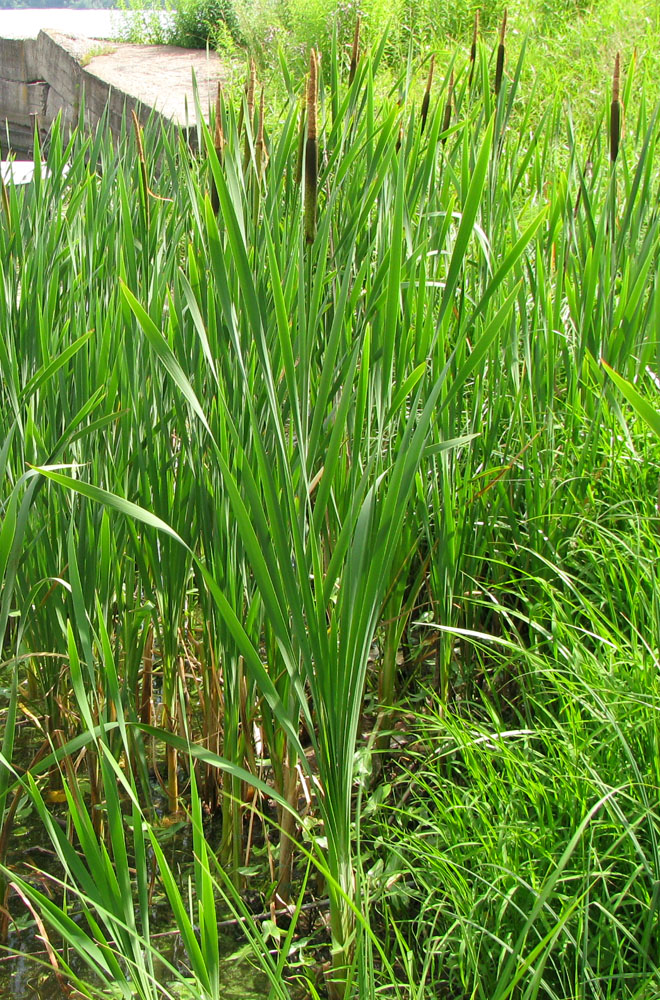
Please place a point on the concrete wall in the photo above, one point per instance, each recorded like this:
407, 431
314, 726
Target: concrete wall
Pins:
42, 76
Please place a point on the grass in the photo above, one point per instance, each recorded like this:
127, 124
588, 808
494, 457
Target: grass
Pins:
329, 507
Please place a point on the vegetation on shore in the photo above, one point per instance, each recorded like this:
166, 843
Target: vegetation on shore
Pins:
330, 532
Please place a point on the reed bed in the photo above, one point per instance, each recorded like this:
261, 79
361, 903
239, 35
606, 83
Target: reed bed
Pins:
322, 516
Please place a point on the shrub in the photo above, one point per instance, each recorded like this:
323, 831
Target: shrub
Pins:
191, 24
198, 23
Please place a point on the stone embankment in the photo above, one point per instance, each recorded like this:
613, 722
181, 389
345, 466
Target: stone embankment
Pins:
52, 72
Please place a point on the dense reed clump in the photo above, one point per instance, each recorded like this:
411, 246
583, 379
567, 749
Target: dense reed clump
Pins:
329, 546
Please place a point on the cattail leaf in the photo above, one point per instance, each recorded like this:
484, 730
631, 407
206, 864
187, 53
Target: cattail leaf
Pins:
468, 218
640, 405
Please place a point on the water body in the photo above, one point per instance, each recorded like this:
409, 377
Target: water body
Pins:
17, 171
86, 23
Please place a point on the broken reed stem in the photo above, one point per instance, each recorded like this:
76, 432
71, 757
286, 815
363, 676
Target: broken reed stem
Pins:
427, 94
355, 52
499, 68
446, 121
143, 163
148, 193
615, 112
311, 151
219, 143
473, 47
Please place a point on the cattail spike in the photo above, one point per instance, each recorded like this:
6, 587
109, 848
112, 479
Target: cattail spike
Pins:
427, 94
300, 154
473, 47
219, 143
251, 88
499, 67
355, 53
262, 155
615, 111
446, 121
219, 138
311, 151
616, 82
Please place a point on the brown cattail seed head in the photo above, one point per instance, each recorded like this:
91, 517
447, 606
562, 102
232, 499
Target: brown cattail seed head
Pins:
616, 82
262, 156
503, 27
311, 151
446, 121
251, 87
427, 93
355, 53
138, 136
473, 47
301, 145
219, 138
219, 143
615, 112
399, 141
499, 67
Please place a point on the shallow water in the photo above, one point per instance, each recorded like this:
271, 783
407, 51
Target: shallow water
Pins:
26, 975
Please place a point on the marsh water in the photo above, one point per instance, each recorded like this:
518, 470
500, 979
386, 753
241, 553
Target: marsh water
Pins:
25, 971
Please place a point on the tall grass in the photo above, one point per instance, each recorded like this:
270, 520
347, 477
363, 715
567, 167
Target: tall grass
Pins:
302, 444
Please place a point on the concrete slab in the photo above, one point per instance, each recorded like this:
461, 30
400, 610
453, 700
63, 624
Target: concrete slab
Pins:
161, 77
78, 74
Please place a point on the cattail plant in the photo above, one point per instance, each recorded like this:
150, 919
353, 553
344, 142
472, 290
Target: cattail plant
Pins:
615, 111
499, 67
219, 143
300, 151
355, 53
427, 94
446, 121
261, 152
473, 47
250, 89
311, 151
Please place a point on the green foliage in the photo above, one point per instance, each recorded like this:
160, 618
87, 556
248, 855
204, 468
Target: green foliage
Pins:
257, 488
194, 24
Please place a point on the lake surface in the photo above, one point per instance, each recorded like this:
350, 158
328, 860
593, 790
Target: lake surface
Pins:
87, 23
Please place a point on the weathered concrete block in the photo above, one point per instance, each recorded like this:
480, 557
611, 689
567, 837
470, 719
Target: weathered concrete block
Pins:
16, 139
18, 59
54, 72
18, 101
59, 67
56, 103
